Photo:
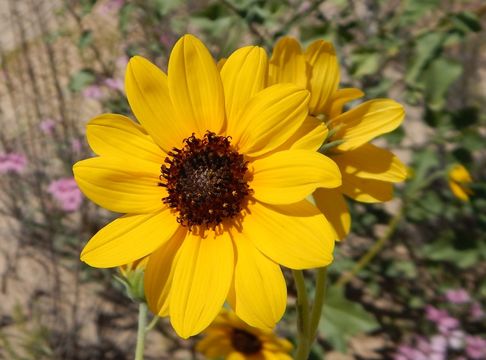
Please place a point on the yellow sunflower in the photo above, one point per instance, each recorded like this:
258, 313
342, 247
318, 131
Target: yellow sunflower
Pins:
230, 338
368, 172
459, 181
207, 192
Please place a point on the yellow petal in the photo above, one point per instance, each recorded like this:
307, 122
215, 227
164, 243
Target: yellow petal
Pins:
366, 121
195, 85
296, 236
118, 136
366, 190
202, 278
324, 77
260, 289
334, 207
148, 95
340, 98
121, 186
291, 175
309, 136
243, 75
129, 238
159, 273
459, 191
371, 162
270, 118
287, 64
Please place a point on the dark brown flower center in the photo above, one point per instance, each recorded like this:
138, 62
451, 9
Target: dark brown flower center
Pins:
245, 342
205, 180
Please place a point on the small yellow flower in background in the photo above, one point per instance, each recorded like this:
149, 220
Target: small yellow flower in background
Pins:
459, 181
213, 190
368, 172
230, 338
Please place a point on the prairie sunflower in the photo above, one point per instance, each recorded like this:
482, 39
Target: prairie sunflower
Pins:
230, 338
207, 193
459, 181
368, 172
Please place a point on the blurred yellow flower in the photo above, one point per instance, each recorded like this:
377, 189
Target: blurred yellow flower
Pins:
459, 180
230, 338
368, 172
209, 193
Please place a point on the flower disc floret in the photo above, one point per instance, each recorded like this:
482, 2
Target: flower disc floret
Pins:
245, 342
205, 180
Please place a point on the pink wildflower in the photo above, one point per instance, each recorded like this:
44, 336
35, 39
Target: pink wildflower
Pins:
476, 311
47, 125
475, 347
66, 193
457, 296
12, 162
115, 84
93, 92
110, 6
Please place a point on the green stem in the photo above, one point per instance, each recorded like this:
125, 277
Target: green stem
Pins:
373, 251
319, 297
152, 324
142, 324
303, 340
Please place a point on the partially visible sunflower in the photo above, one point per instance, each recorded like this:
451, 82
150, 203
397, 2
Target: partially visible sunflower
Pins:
368, 172
230, 338
459, 181
209, 193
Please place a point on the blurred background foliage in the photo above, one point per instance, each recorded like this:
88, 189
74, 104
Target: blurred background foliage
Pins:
62, 62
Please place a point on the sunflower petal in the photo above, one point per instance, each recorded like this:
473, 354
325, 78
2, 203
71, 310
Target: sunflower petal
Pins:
118, 136
287, 64
324, 78
260, 290
159, 273
201, 282
270, 118
340, 98
366, 190
309, 136
121, 186
334, 207
129, 238
148, 95
243, 75
371, 162
291, 175
366, 121
195, 86
296, 236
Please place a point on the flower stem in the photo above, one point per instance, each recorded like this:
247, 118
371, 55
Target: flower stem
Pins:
318, 304
142, 323
373, 251
303, 341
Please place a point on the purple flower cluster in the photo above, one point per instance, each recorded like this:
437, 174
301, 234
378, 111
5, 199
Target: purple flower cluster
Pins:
450, 339
12, 163
66, 193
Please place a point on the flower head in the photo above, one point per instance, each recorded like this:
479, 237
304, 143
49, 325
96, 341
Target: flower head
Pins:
230, 338
368, 172
457, 296
212, 188
459, 180
67, 194
12, 163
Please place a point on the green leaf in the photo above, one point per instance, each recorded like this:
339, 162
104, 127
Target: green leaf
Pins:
466, 21
427, 48
85, 39
438, 78
365, 63
81, 79
342, 319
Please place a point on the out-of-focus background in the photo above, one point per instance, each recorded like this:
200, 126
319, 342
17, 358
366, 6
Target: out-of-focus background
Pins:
423, 291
